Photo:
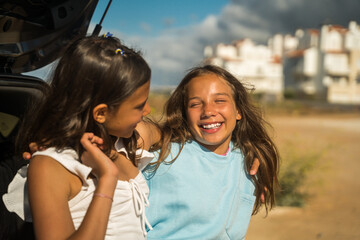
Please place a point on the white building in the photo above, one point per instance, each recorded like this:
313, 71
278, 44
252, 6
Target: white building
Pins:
251, 64
326, 63
323, 64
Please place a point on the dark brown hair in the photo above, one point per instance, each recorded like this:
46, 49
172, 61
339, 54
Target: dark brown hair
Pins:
90, 72
249, 135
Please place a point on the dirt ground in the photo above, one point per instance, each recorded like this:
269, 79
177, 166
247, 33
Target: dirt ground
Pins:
333, 210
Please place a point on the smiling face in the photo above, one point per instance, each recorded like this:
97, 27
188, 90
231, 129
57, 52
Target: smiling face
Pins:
122, 121
211, 112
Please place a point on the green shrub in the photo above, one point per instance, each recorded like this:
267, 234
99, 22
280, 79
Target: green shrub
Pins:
294, 170
289, 93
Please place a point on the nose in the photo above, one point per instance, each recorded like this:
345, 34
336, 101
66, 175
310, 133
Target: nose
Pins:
146, 109
208, 110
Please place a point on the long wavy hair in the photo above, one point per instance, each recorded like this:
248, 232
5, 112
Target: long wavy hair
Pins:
249, 135
91, 71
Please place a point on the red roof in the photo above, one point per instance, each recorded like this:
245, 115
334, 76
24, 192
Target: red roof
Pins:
313, 31
338, 28
295, 53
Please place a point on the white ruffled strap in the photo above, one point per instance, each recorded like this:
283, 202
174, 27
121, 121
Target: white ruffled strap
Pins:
145, 156
69, 159
16, 199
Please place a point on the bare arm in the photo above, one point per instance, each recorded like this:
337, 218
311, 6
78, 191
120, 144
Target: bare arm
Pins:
150, 134
50, 186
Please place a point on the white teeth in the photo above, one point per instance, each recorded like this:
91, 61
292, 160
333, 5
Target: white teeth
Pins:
209, 126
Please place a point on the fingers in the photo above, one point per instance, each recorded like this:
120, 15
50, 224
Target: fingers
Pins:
87, 136
254, 167
26, 156
33, 148
89, 139
97, 140
262, 196
86, 140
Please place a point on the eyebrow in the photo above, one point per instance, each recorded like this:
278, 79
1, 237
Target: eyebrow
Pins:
216, 94
222, 94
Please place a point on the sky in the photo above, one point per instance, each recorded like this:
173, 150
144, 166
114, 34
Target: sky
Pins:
172, 34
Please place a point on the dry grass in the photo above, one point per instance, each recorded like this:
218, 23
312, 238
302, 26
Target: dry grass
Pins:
332, 209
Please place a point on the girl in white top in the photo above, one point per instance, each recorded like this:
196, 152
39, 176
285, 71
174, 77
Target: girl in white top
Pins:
100, 87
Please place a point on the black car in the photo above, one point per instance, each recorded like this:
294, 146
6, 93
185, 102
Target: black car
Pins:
33, 34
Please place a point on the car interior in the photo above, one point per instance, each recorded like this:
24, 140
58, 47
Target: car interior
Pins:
16, 92
33, 34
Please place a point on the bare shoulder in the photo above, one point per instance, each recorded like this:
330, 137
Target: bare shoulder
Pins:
45, 166
48, 174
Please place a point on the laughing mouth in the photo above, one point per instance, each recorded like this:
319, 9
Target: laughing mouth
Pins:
211, 126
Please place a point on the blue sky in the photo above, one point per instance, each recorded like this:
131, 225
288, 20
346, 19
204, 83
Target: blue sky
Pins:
154, 26
172, 34
150, 17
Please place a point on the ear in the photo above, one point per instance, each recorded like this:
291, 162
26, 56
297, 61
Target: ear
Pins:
100, 112
238, 116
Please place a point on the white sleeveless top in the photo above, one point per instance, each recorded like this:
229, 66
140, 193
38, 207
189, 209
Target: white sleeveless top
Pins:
127, 218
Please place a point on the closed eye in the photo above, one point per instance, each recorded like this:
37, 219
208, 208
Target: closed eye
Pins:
141, 106
220, 100
194, 105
